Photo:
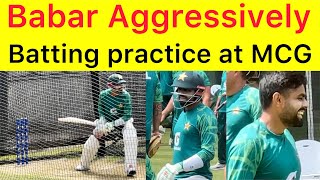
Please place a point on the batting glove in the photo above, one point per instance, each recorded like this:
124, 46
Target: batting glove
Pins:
168, 172
101, 127
108, 127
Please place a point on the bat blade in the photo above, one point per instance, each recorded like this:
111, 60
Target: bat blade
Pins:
76, 121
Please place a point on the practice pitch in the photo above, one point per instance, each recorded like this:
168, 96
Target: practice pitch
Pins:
64, 169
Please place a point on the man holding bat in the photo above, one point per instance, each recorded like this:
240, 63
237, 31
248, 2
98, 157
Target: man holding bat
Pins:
115, 116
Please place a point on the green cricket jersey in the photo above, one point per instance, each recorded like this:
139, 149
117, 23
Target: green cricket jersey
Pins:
153, 94
223, 90
177, 112
242, 109
114, 107
258, 153
166, 81
194, 133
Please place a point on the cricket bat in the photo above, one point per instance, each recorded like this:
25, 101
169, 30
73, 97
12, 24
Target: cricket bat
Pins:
76, 121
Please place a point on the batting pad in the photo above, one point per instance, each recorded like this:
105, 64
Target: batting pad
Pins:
130, 140
89, 150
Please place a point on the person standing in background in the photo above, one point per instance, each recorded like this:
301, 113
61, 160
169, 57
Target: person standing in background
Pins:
243, 104
220, 112
153, 114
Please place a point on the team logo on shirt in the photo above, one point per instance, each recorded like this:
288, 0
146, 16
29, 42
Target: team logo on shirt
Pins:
236, 110
120, 105
177, 141
182, 76
187, 126
114, 111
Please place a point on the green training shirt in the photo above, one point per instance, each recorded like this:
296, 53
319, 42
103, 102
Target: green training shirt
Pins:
194, 133
258, 153
114, 107
242, 109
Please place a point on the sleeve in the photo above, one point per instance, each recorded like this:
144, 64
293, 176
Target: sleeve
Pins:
255, 108
127, 108
243, 159
207, 126
158, 94
101, 105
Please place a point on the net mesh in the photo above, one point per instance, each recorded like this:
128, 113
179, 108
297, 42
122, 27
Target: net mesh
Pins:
315, 80
55, 147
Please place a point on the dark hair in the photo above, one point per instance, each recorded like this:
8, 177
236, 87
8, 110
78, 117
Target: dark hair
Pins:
280, 82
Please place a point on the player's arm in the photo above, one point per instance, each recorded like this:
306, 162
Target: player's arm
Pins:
167, 110
243, 159
127, 108
157, 109
101, 104
206, 96
207, 126
127, 114
100, 129
219, 103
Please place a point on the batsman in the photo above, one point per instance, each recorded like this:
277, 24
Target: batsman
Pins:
115, 111
194, 132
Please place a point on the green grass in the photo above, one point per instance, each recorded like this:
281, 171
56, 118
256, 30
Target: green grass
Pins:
164, 155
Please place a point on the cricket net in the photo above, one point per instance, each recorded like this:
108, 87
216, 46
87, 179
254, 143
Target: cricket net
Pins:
42, 98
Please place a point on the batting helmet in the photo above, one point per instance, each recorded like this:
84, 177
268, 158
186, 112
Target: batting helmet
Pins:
188, 80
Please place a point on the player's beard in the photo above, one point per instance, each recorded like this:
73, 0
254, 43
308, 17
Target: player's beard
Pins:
291, 117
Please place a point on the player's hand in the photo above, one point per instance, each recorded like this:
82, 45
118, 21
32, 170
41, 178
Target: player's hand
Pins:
98, 134
108, 127
157, 133
168, 172
102, 129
